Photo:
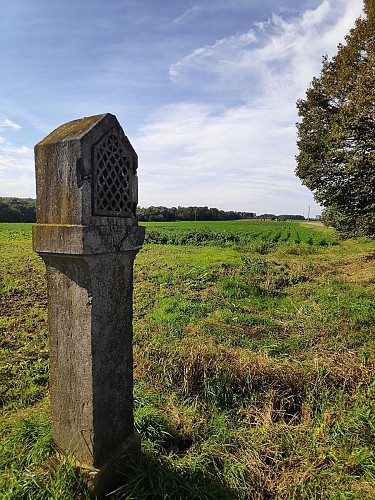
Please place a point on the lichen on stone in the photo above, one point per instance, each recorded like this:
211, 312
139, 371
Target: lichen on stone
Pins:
71, 130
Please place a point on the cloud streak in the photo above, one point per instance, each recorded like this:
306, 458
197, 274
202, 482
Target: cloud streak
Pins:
239, 154
16, 164
6, 123
206, 90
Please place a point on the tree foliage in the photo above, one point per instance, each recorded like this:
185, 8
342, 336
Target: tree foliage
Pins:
164, 214
336, 137
17, 210
23, 210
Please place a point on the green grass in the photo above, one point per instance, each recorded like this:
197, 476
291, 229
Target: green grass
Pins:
260, 235
254, 364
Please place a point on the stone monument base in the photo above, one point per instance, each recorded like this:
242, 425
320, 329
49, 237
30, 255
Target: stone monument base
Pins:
106, 479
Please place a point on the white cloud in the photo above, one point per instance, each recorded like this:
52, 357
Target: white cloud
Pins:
290, 50
213, 58
226, 160
241, 156
16, 170
16, 163
22, 187
195, 8
6, 123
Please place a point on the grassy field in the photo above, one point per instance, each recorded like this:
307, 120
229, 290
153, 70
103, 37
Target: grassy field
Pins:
256, 233
254, 366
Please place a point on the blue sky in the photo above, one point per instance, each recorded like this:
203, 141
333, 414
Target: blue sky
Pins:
205, 90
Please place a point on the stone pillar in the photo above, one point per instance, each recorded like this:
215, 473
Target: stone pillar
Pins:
88, 236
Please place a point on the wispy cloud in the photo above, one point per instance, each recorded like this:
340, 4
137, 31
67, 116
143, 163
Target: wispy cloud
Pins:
277, 49
16, 164
187, 13
213, 58
206, 90
241, 155
6, 123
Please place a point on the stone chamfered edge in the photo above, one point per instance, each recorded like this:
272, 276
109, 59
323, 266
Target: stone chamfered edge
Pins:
65, 223
77, 240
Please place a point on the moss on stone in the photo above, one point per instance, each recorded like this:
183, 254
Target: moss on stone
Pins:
71, 130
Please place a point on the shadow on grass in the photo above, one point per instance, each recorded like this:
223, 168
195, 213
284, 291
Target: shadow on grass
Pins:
156, 479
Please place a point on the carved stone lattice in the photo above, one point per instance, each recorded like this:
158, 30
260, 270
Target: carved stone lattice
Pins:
112, 178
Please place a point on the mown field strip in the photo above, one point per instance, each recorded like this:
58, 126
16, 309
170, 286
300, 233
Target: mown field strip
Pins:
236, 232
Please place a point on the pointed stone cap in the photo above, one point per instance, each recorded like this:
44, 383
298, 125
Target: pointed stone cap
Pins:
87, 189
86, 173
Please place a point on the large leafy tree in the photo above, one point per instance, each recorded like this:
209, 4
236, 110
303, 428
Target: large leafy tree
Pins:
336, 133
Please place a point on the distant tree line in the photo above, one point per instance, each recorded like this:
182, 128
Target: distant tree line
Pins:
164, 214
23, 210
17, 210
283, 217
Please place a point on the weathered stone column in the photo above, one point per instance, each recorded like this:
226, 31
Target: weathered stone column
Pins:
88, 236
